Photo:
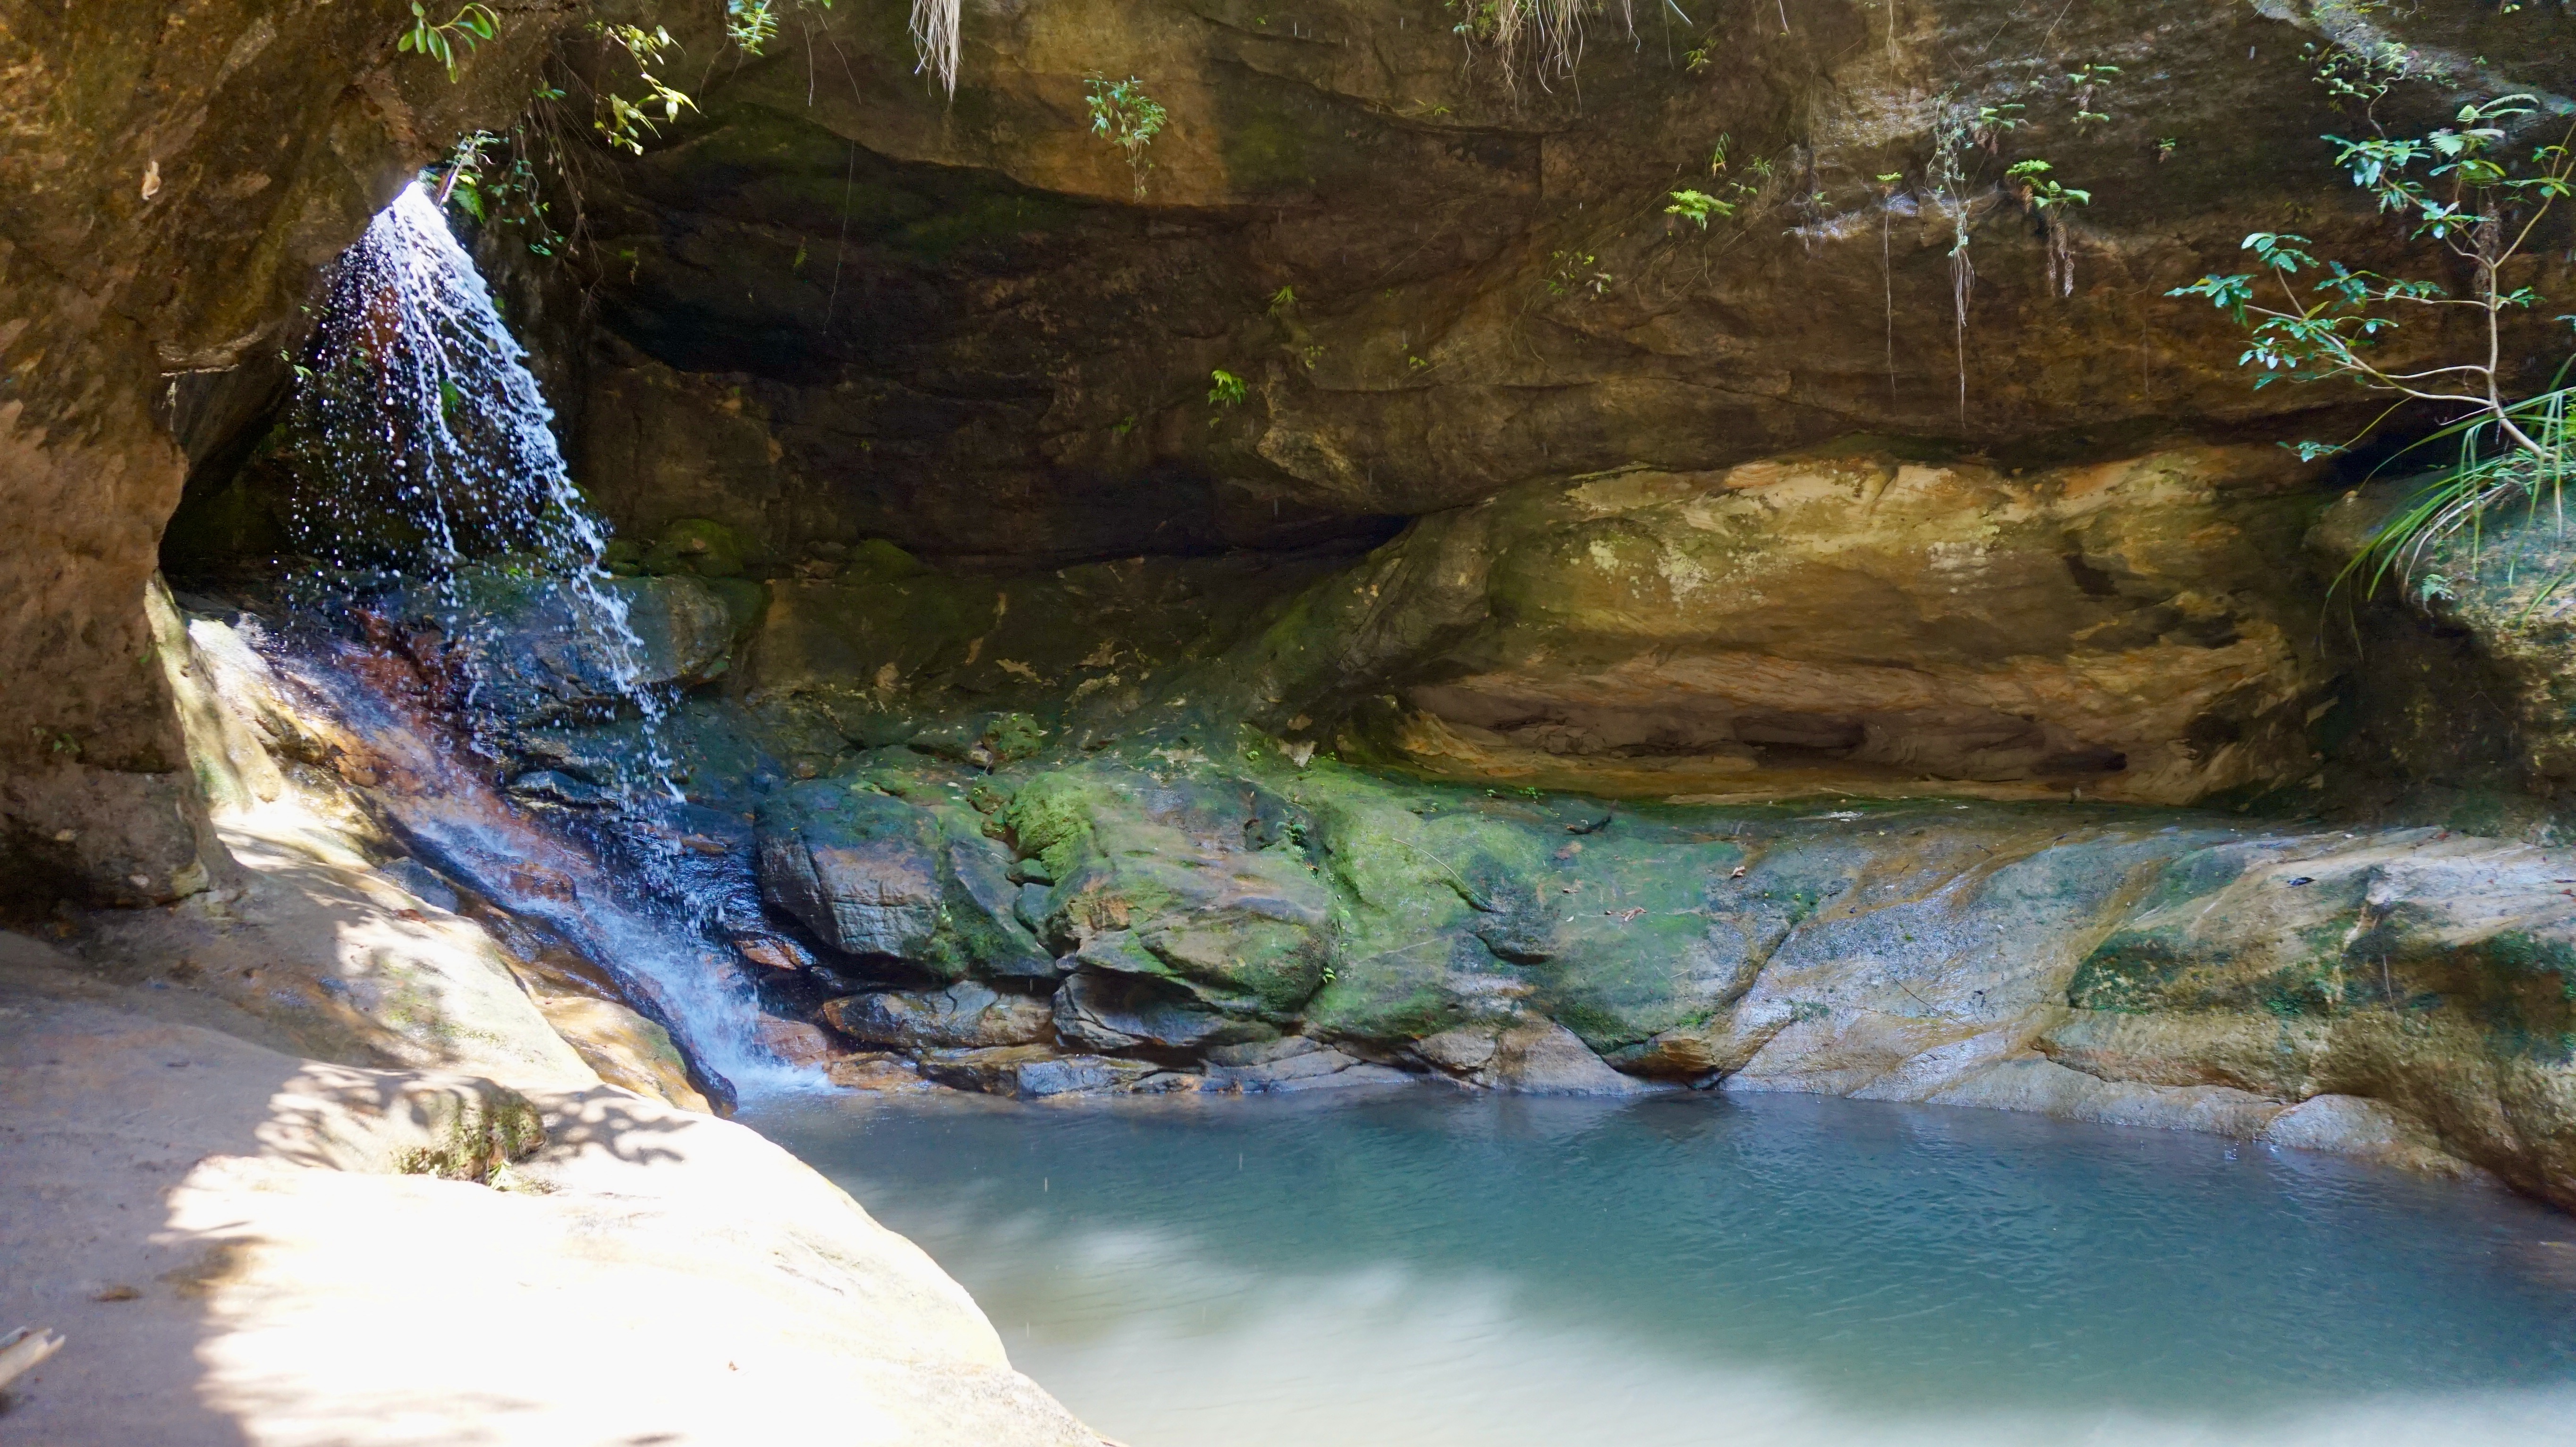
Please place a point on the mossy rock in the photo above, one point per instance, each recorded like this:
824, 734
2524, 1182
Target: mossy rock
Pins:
878, 878
1183, 870
877, 560
479, 1133
698, 546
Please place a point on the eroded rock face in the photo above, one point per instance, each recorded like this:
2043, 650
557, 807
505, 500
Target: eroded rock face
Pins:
1852, 622
1856, 622
853, 309
171, 183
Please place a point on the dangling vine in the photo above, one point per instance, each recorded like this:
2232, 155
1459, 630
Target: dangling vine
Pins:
1952, 133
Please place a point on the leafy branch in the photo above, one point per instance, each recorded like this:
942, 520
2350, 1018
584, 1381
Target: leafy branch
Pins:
473, 25
625, 123
2466, 189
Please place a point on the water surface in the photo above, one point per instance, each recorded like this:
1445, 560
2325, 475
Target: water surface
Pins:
1426, 1267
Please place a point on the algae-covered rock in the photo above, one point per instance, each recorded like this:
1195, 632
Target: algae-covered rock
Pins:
1177, 879
876, 877
697, 546
2099, 962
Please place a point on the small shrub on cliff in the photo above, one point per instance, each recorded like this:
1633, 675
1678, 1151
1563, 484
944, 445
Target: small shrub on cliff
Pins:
2475, 195
1127, 118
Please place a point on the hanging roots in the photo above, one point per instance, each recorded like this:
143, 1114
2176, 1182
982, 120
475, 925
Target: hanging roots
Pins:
2061, 255
934, 40
1554, 29
1963, 284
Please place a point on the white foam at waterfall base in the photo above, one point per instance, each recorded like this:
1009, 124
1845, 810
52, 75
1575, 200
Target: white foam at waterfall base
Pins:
424, 447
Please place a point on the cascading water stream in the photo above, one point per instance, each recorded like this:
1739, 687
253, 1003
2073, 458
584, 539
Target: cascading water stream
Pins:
430, 491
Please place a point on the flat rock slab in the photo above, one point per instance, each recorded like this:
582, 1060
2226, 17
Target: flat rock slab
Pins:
212, 1227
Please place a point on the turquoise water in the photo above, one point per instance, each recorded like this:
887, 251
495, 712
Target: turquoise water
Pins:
1426, 1267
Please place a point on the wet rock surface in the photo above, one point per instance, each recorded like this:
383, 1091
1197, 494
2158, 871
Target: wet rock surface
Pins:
1248, 924
1013, 904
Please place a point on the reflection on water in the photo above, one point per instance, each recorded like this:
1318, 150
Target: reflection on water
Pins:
1421, 1267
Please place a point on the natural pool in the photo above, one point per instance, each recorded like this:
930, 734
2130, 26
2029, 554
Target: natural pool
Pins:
1421, 1267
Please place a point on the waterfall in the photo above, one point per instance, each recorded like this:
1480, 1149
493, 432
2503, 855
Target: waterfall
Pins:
430, 495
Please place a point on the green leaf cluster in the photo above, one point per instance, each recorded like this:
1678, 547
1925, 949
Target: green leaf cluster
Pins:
439, 41
1126, 117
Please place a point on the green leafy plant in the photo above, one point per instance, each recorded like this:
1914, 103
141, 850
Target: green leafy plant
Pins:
751, 24
2089, 82
1228, 389
493, 179
2043, 194
1697, 206
1992, 122
1127, 118
439, 41
2475, 197
625, 123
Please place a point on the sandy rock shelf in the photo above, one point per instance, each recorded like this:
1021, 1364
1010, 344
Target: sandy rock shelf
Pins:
225, 1237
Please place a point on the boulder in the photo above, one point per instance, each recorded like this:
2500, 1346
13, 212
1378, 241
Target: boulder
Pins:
1540, 1057
2471, 645
1033, 1071
1111, 1011
1177, 878
1272, 1069
537, 649
879, 1073
963, 1016
874, 876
